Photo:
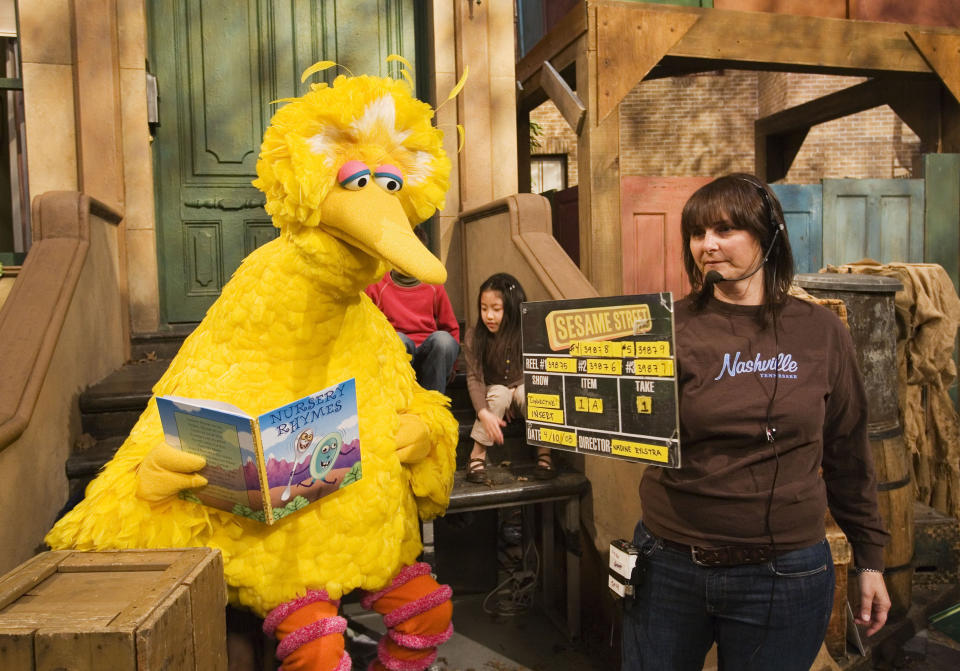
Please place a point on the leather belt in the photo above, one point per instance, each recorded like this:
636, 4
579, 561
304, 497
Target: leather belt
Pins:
725, 555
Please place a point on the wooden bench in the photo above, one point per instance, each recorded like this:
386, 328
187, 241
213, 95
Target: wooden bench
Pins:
516, 486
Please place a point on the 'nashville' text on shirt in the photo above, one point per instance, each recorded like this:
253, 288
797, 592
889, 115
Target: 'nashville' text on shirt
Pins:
782, 363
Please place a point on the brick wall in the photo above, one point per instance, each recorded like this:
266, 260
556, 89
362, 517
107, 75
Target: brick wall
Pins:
556, 137
702, 125
699, 125
872, 144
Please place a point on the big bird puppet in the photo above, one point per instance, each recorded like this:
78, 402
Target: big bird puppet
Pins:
347, 170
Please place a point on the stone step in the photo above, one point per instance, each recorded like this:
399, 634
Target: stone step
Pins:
161, 344
111, 407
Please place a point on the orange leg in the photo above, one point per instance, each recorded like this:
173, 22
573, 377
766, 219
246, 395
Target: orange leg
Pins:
310, 634
417, 613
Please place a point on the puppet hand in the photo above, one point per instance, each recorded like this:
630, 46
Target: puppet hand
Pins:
165, 471
413, 439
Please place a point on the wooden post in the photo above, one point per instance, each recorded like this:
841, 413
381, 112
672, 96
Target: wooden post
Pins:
599, 182
523, 150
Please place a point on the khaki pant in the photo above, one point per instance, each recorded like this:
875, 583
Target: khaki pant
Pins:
499, 398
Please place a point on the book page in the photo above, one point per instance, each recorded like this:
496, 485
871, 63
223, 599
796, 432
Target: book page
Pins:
225, 441
311, 447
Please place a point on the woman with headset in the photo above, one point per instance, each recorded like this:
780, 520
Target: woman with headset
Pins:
773, 432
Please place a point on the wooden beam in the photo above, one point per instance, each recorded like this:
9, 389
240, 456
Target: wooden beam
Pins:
774, 154
734, 39
785, 39
842, 103
949, 125
561, 36
568, 103
598, 158
630, 42
915, 102
778, 137
942, 53
530, 93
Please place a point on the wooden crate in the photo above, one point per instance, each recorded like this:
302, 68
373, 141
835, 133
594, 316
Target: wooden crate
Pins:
133, 610
835, 639
936, 551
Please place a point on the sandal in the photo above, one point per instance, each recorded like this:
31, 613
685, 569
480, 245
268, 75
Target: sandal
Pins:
477, 471
544, 469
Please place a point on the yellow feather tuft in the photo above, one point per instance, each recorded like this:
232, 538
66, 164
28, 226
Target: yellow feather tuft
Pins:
460, 84
398, 57
406, 75
316, 67
461, 133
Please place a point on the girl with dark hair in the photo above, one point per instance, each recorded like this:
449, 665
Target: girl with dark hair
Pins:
731, 545
492, 351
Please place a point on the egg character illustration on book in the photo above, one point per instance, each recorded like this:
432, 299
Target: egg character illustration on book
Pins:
348, 170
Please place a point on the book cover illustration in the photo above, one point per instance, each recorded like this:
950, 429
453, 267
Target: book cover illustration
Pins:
270, 466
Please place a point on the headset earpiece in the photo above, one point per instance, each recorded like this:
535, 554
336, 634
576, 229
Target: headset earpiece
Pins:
771, 220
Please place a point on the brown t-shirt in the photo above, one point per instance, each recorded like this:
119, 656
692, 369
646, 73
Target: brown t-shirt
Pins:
480, 375
727, 376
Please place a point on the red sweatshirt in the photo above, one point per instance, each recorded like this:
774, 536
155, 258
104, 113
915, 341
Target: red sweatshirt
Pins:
415, 311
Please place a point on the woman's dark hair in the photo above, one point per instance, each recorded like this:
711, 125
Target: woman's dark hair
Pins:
751, 205
506, 343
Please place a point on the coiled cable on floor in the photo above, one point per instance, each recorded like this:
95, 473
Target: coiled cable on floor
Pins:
517, 590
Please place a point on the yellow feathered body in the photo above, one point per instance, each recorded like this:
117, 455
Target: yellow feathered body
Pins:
291, 321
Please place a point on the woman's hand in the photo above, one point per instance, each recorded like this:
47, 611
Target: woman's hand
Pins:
492, 424
874, 601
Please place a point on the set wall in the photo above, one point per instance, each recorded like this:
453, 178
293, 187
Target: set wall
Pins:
88, 348
702, 125
556, 137
51, 53
698, 125
871, 144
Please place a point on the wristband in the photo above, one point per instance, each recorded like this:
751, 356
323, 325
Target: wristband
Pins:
867, 570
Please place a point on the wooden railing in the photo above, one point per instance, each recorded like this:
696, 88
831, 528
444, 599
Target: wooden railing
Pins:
514, 235
60, 262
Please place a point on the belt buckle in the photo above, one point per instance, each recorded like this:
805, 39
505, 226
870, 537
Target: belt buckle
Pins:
705, 556
730, 555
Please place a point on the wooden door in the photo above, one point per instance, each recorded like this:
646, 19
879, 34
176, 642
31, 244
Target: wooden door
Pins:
942, 212
802, 210
219, 63
650, 209
565, 211
880, 219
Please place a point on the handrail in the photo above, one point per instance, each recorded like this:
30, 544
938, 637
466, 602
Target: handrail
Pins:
33, 315
513, 234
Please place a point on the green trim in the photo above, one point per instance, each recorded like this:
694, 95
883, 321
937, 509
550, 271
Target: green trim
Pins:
12, 258
11, 84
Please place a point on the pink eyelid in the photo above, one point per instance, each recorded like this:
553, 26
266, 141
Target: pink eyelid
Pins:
387, 170
350, 170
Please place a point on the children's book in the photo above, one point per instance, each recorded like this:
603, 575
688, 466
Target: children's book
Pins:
270, 466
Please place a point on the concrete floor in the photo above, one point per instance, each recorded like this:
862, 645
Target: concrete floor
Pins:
528, 641
531, 641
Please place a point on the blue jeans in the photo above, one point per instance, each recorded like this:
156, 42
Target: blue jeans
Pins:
433, 360
763, 617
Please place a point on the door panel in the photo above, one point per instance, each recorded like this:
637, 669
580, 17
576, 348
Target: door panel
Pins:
942, 212
802, 210
650, 209
219, 64
881, 219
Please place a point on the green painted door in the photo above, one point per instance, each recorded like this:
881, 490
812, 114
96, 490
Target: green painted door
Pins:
881, 219
801, 205
218, 64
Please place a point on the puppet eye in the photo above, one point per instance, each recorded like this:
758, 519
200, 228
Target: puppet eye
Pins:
389, 178
353, 175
